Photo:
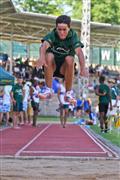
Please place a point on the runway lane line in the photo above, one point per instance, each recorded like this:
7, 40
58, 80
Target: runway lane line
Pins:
31, 141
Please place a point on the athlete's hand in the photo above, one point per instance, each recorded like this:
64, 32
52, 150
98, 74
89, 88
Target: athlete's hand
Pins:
14, 101
41, 62
84, 72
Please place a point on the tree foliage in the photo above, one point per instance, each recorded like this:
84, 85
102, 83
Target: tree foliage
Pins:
107, 11
41, 6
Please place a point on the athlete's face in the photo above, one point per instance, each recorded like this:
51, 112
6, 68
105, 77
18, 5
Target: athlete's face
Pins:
62, 30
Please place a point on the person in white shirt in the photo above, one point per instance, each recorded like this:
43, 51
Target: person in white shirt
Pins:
26, 99
7, 102
63, 103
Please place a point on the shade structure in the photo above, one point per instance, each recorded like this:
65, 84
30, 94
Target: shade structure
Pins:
5, 77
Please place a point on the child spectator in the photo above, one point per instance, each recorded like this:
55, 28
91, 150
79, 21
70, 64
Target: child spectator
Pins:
7, 102
103, 91
34, 92
26, 99
17, 95
63, 104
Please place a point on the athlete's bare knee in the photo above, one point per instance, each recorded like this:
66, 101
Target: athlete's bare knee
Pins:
69, 60
49, 58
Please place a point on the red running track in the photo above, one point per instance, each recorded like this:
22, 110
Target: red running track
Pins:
49, 140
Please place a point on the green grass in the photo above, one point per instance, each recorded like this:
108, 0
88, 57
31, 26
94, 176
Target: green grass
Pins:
53, 119
112, 136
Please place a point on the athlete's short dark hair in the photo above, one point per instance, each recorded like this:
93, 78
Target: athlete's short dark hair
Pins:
63, 19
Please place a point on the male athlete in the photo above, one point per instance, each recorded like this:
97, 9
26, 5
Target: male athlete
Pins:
57, 54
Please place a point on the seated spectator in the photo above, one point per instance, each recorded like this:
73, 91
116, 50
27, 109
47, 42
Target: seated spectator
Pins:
92, 117
79, 107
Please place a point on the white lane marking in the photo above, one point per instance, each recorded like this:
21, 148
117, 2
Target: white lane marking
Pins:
94, 140
65, 152
3, 129
30, 142
108, 149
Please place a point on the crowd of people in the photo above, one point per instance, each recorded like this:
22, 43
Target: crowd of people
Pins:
56, 59
20, 103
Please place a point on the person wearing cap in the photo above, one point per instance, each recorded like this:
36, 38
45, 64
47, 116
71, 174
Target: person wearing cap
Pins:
57, 54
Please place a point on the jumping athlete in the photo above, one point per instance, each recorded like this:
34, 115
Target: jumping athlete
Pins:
57, 54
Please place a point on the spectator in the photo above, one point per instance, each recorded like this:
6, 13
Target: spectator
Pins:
7, 102
103, 91
79, 107
64, 105
34, 93
37, 72
26, 99
17, 95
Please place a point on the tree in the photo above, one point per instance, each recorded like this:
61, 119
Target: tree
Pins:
52, 7
106, 11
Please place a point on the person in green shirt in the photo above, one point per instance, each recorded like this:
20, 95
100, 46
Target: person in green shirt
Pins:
114, 92
103, 91
17, 95
57, 54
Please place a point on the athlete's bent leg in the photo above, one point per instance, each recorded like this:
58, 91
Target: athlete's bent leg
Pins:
49, 70
67, 70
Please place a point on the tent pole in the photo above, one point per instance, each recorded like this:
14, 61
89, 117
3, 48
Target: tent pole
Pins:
11, 54
28, 50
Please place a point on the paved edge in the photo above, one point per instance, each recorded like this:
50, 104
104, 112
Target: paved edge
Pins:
57, 158
113, 147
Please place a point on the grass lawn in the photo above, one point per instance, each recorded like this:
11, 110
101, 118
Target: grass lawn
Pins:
53, 119
112, 136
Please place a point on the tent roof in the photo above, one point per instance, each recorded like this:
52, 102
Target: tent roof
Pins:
31, 27
5, 77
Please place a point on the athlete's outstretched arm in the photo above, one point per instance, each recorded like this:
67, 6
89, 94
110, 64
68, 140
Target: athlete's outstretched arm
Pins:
42, 54
81, 58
